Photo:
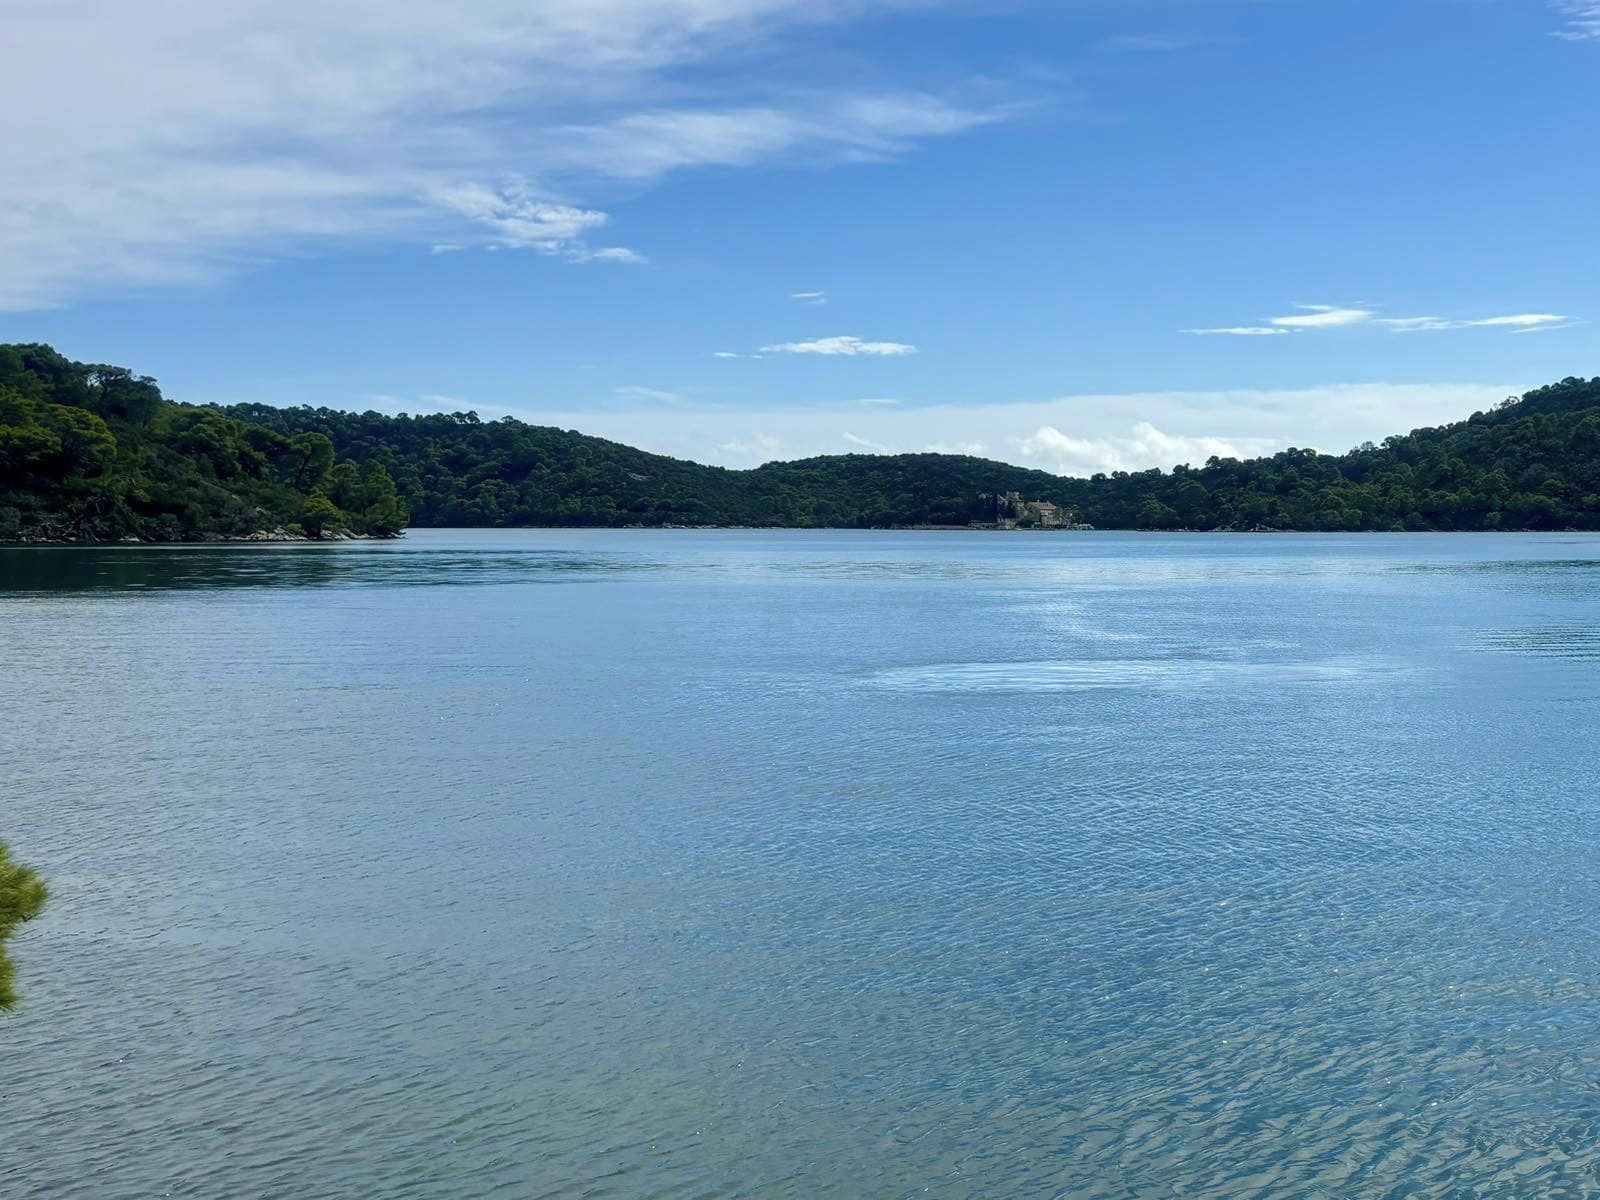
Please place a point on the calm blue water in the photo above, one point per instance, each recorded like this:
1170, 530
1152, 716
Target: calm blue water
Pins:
540, 864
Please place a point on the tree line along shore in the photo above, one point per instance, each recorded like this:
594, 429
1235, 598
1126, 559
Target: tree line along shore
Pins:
95, 453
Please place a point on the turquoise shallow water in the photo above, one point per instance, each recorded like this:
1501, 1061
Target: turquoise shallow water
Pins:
544, 864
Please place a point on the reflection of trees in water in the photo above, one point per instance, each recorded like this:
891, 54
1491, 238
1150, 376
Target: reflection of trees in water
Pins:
87, 569
159, 568
1557, 578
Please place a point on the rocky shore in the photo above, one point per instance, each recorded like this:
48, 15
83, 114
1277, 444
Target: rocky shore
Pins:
68, 538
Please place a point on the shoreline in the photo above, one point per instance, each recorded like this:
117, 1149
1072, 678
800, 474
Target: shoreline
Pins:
283, 537
260, 537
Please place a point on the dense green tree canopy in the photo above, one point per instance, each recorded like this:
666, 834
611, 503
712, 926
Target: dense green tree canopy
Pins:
95, 452
22, 898
1532, 463
91, 452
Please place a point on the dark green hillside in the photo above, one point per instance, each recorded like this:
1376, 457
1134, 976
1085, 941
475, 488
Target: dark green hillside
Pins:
1532, 463
456, 470
95, 452
901, 489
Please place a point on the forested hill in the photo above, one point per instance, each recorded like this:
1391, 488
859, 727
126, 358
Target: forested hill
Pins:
1532, 463
92, 452
455, 470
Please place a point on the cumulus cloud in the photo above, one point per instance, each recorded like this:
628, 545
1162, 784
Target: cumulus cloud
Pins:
520, 219
607, 254
1088, 433
848, 347
752, 449
198, 136
1143, 446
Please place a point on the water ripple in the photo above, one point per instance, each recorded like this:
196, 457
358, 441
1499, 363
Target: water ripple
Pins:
787, 867
1172, 674
1577, 642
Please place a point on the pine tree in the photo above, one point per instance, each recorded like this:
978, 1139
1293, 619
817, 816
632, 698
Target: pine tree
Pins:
22, 897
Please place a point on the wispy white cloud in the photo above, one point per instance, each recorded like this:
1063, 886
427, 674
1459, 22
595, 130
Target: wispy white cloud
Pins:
199, 137
1313, 317
1521, 320
1583, 20
848, 347
1240, 331
1517, 322
647, 395
878, 401
815, 127
725, 354
1158, 42
866, 444
1419, 324
1310, 316
1551, 328
813, 298
1322, 316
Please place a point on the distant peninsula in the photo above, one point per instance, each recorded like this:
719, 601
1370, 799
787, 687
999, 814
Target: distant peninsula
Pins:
94, 453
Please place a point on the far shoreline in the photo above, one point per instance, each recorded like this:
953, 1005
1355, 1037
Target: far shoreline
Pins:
344, 538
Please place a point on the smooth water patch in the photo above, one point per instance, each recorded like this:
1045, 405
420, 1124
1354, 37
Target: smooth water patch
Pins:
1170, 674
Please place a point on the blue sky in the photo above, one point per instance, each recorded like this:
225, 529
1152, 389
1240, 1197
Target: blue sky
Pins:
1079, 235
